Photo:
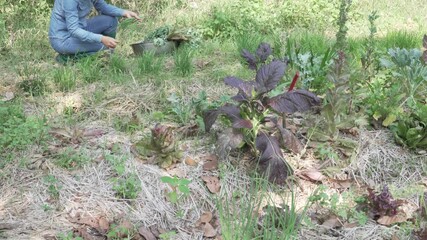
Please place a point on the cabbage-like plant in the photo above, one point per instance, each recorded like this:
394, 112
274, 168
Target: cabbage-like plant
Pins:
257, 117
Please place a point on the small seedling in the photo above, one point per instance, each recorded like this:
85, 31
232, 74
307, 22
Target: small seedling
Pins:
184, 61
167, 235
68, 236
177, 185
53, 186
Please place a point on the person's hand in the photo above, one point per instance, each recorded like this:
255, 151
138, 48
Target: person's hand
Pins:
130, 14
109, 41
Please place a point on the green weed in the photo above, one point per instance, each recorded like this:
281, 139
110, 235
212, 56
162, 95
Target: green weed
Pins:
64, 79
238, 221
127, 187
71, 159
167, 235
117, 162
117, 232
68, 236
53, 186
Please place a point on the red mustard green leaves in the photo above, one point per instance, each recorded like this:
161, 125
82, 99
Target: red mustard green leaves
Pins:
294, 101
269, 75
231, 111
271, 161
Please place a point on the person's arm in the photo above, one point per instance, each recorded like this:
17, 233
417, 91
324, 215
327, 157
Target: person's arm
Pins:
107, 9
72, 21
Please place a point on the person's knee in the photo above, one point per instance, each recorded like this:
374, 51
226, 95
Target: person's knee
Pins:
113, 21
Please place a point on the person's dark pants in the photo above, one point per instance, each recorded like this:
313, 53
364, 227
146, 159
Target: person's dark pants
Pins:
102, 24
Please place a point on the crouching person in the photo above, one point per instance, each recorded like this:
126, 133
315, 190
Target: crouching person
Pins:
73, 34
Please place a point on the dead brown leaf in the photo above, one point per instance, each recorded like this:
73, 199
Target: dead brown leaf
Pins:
206, 217
208, 230
85, 220
332, 222
146, 233
190, 161
211, 162
313, 175
104, 225
212, 183
8, 96
83, 232
8, 226
340, 184
387, 220
93, 133
211, 165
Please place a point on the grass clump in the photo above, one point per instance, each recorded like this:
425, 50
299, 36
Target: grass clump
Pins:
148, 63
184, 61
64, 79
90, 69
238, 221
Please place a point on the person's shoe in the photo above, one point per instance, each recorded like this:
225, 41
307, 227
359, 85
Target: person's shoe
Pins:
70, 58
62, 59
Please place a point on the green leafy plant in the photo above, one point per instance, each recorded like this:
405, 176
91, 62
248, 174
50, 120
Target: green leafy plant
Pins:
314, 69
412, 131
255, 116
159, 35
127, 187
179, 188
396, 98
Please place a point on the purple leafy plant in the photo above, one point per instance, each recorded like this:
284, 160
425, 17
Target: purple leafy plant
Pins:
256, 115
381, 204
